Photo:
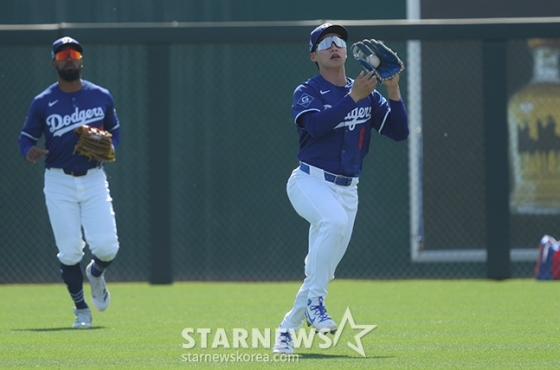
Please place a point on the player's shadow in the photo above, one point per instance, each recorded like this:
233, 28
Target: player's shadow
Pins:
313, 356
58, 329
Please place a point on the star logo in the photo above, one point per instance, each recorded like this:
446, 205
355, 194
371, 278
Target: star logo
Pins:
358, 347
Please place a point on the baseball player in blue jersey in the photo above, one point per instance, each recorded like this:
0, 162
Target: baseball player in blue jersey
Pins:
76, 188
335, 117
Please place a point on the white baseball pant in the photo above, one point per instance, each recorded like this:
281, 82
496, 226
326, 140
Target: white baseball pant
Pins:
331, 211
84, 202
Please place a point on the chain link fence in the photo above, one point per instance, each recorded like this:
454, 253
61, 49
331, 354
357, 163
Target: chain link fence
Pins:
452, 223
233, 146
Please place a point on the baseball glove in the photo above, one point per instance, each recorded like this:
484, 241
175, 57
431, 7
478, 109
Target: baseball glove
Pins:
94, 144
375, 56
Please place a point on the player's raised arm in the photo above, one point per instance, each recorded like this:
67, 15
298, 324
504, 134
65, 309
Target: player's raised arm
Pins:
335, 117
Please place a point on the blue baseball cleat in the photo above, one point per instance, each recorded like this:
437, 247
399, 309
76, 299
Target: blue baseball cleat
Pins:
317, 317
284, 342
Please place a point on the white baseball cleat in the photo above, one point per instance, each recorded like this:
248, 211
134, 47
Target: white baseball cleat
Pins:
100, 296
284, 342
317, 317
83, 318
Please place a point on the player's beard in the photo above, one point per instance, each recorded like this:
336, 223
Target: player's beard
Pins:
69, 75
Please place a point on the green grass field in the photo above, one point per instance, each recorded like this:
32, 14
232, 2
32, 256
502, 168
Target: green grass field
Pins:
452, 324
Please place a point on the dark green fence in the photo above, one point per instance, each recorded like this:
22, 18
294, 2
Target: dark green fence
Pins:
208, 145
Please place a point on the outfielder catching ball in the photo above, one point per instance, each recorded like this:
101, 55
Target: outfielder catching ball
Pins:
81, 131
334, 117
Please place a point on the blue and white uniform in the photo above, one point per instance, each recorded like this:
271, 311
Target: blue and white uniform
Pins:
334, 137
56, 114
76, 189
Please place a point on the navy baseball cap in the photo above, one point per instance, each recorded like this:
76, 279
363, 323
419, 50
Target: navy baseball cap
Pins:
63, 41
324, 29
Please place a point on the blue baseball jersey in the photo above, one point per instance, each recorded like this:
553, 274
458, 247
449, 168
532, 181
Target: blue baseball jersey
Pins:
335, 132
56, 114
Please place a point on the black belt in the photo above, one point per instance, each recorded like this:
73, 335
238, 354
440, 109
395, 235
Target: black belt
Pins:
74, 173
335, 179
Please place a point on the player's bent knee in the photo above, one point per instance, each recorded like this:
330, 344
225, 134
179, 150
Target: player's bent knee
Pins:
70, 259
105, 249
70, 250
337, 224
106, 253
